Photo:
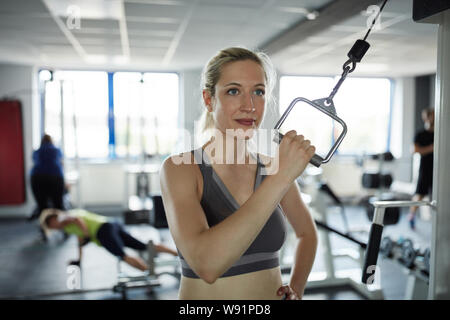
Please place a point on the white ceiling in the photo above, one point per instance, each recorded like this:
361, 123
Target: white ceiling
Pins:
183, 34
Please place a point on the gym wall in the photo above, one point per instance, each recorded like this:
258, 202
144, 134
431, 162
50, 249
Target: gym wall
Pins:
20, 82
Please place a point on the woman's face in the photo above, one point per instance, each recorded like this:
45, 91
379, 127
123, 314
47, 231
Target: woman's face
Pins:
239, 98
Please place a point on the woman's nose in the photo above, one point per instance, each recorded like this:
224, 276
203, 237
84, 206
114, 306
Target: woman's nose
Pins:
247, 102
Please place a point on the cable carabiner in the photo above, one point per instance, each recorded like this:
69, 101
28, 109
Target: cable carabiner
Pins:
347, 69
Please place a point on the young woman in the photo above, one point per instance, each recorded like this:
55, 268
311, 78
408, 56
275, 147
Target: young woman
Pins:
227, 219
88, 226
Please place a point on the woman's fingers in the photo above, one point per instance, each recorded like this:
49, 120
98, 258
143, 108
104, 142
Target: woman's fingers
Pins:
295, 152
288, 292
283, 290
291, 134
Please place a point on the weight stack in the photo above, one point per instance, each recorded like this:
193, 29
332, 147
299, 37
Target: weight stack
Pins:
376, 180
391, 216
137, 216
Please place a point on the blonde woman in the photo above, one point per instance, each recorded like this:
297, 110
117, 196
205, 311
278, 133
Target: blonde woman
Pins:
227, 219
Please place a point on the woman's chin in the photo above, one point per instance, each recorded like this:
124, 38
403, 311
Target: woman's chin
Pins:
243, 133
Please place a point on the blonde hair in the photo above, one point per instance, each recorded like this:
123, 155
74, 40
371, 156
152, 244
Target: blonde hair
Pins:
212, 72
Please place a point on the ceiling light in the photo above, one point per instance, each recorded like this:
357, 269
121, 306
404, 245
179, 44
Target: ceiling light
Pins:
312, 15
95, 58
119, 60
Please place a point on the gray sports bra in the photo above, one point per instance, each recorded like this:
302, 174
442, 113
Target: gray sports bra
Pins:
218, 203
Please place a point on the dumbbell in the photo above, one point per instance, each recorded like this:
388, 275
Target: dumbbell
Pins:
409, 256
386, 247
390, 248
426, 260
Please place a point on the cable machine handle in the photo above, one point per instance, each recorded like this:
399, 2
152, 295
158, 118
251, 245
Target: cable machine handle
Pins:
324, 107
372, 250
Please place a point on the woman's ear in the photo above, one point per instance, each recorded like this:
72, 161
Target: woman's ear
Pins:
207, 99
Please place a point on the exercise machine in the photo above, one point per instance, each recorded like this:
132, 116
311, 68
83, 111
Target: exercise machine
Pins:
316, 199
158, 266
418, 271
439, 275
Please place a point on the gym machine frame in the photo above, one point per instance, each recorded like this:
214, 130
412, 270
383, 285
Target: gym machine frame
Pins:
439, 279
416, 285
332, 278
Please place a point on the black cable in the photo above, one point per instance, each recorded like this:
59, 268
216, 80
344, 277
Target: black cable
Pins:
374, 20
346, 236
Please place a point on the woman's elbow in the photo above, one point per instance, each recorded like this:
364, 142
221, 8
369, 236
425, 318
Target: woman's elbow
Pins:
203, 265
206, 271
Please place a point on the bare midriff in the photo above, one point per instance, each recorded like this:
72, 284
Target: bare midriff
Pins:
258, 285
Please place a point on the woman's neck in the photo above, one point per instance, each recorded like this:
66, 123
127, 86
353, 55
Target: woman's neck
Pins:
228, 149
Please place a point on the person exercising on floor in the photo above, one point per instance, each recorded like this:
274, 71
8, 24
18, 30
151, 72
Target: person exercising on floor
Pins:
88, 226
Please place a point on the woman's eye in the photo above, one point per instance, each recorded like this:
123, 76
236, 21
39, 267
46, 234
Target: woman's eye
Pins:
233, 92
259, 92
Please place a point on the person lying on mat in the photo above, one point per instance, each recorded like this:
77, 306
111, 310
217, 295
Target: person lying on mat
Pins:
89, 226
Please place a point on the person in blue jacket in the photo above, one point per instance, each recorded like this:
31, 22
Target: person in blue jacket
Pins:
47, 177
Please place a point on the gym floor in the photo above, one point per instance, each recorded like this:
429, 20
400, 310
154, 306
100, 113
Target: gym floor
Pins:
31, 269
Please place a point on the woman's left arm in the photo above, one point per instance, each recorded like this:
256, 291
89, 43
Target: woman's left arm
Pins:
304, 227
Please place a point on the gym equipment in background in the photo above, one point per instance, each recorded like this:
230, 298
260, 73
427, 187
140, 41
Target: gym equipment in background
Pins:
12, 167
417, 286
138, 207
378, 184
158, 265
315, 194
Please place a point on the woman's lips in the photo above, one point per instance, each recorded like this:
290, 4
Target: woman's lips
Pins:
246, 122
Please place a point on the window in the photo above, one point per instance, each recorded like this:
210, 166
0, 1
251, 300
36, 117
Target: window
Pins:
141, 118
363, 103
83, 110
52, 121
145, 112
305, 119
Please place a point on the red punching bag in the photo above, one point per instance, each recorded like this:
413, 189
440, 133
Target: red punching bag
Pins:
12, 175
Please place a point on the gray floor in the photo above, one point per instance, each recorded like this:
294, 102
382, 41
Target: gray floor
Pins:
31, 269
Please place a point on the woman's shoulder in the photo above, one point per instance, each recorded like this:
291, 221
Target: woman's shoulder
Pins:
183, 164
180, 173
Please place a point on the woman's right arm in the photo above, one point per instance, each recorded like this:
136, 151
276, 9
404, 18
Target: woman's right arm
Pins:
212, 251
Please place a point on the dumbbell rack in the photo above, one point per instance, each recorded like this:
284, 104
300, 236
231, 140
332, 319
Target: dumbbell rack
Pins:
417, 285
417, 265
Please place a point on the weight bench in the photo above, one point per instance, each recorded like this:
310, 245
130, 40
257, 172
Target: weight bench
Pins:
148, 279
